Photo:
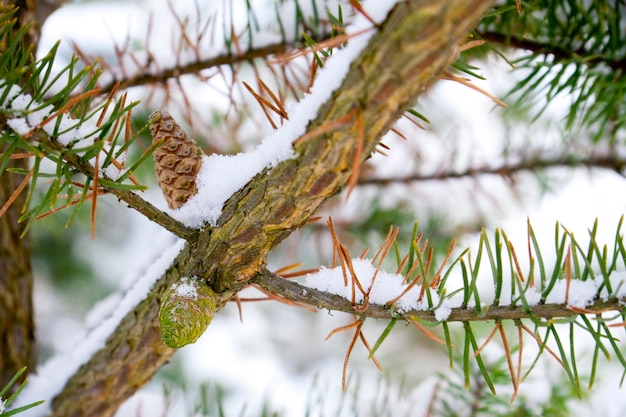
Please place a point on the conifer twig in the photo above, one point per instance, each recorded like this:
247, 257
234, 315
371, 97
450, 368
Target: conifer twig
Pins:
17, 192
297, 292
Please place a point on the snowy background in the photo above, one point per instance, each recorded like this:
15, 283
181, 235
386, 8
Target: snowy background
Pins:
276, 356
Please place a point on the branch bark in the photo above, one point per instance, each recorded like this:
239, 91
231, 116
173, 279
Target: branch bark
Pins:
612, 161
17, 329
559, 52
417, 40
322, 300
165, 74
16, 282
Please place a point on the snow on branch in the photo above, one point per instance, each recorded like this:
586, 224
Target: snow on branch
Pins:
580, 281
585, 286
52, 376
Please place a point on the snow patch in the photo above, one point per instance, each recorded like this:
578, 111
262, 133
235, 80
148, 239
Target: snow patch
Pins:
381, 290
186, 287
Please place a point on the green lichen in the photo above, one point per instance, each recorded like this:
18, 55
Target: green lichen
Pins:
186, 311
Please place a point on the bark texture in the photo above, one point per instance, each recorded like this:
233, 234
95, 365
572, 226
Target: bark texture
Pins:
416, 41
310, 296
17, 329
16, 284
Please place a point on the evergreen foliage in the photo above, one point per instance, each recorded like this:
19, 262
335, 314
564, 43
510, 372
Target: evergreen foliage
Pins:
77, 132
574, 48
7, 398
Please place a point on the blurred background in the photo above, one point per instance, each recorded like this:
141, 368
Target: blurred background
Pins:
474, 165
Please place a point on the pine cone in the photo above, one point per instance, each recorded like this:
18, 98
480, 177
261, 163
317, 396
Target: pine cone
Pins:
177, 160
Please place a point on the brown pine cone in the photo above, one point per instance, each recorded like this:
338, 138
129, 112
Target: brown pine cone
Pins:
177, 160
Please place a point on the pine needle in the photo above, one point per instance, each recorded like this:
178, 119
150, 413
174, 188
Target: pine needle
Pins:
369, 349
264, 103
509, 359
520, 345
17, 192
437, 277
281, 108
466, 82
426, 332
76, 200
108, 102
341, 329
284, 269
63, 109
543, 345
359, 8
325, 128
471, 44
283, 300
94, 201
515, 261
568, 273
487, 341
344, 372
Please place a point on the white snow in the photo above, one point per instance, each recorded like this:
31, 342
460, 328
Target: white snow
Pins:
385, 287
222, 175
186, 287
579, 294
532, 297
442, 312
102, 310
67, 130
52, 375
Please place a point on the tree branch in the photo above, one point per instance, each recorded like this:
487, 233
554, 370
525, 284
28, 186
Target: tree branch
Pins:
310, 296
133, 200
417, 40
165, 74
560, 52
17, 327
608, 161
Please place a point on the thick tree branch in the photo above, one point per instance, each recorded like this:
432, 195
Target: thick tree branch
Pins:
161, 218
417, 40
322, 300
45, 8
17, 328
17, 332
